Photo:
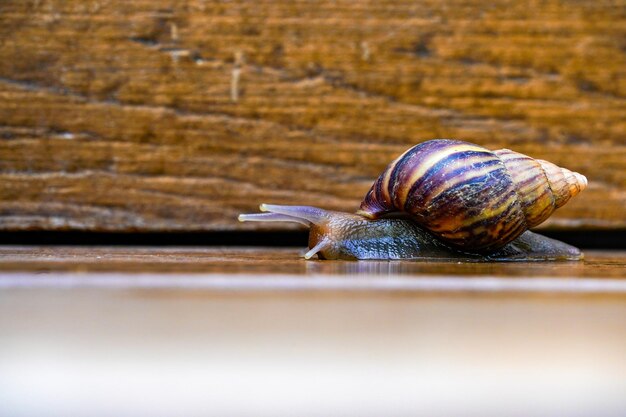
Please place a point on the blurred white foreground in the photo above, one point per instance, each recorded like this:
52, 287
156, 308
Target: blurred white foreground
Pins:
116, 352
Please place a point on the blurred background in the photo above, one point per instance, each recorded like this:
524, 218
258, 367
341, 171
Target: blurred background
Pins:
178, 115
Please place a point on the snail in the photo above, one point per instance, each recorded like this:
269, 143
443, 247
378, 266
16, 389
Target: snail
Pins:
444, 198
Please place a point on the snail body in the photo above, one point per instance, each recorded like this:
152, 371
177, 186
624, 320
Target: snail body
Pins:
338, 235
444, 198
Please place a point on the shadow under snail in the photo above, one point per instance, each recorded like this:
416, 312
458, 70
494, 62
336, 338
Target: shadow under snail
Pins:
445, 199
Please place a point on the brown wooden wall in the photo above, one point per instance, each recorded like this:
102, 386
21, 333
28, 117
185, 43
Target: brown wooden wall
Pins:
178, 115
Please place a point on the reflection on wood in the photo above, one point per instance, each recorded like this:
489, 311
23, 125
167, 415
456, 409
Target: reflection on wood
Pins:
291, 283
272, 262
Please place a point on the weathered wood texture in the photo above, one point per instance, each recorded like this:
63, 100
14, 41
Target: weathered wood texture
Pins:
165, 115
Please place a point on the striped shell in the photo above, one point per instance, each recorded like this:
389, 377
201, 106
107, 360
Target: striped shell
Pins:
469, 196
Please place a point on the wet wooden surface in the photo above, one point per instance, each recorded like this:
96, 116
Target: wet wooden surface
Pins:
179, 115
281, 261
97, 331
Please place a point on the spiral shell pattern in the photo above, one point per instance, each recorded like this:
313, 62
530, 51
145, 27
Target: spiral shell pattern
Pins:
469, 196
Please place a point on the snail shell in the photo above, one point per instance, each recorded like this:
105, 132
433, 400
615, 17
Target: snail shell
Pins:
468, 196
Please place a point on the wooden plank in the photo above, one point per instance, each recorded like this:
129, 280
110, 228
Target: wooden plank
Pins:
165, 115
263, 262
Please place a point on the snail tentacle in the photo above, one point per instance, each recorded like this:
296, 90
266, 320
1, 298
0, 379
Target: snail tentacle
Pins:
310, 214
314, 218
272, 217
304, 215
320, 246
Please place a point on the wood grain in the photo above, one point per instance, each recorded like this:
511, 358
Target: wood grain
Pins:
166, 115
263, 262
